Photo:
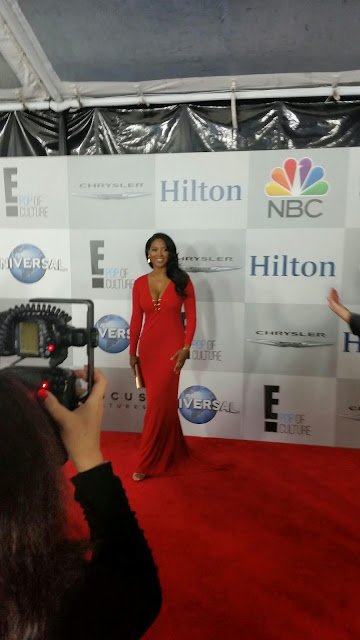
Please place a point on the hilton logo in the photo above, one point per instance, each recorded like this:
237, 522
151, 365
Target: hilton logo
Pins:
194, 191
285, 266
349, 340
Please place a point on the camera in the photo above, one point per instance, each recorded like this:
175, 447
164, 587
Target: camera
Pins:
40, 330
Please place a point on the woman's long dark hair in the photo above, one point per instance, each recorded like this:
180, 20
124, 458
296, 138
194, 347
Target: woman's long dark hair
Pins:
173, 271
38, 564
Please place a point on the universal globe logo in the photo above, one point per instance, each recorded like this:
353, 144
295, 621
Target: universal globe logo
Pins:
28, 264
114, 333
199, 405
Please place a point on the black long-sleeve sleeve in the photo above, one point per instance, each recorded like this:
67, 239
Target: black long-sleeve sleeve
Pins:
120, 595
354, 324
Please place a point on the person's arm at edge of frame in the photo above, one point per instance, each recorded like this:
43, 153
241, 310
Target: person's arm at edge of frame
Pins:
353, 319
120, 547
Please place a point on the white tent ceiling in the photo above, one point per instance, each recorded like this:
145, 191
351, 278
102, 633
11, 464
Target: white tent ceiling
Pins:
119, 52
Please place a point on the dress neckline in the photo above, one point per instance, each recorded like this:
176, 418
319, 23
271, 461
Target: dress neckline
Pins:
156, 302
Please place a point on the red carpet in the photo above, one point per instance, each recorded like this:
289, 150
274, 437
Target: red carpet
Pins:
261, 543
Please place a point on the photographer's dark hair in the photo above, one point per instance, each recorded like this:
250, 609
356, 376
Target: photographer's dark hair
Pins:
38, 564
173, 271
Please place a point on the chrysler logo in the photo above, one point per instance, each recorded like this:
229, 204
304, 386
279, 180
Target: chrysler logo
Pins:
111, 196
196, 269
286, 343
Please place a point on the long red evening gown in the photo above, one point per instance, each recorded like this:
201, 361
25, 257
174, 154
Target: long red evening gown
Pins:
162, 442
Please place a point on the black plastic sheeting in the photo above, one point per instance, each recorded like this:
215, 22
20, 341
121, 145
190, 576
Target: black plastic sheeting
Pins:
25, 133
181, 128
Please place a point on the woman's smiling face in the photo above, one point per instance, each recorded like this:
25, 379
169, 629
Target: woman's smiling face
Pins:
158, 253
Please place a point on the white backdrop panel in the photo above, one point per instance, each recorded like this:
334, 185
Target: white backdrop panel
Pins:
214, 260
34, 193
296, 339
124, 406
353, 189
210, 404
202, 191
263, 236
290, 409
297, 189
348, 362
35, 262
351, 280
348, 413
293, 267
111, 192
106, 262
218, 341
112, 319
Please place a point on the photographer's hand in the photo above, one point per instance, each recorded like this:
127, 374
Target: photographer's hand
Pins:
80, 429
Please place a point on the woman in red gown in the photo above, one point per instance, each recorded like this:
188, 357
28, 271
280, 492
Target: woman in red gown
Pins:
163, 346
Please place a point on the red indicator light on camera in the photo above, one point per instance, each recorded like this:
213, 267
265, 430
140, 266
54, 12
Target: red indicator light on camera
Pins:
45, 385
51, 347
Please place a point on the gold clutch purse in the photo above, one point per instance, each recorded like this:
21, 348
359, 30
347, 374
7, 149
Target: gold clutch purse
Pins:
139, 382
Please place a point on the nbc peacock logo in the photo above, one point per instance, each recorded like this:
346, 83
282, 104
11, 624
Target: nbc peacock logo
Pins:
297, 186
297, 179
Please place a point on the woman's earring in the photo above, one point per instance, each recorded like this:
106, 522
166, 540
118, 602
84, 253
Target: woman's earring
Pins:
149, 261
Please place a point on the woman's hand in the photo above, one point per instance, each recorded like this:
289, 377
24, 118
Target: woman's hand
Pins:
336, 306
180, 357
133, 361
80, 429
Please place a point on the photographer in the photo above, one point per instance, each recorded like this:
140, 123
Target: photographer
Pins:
49, 588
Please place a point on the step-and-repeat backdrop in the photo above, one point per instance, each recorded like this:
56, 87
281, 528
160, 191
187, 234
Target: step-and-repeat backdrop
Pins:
262, 235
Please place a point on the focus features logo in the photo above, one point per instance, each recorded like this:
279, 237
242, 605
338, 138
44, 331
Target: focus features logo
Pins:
294, 186
287, 423
126, 400
275, 342
284, 266
190, 190
28, 264
208, 264
22, 205
122, 190
199, 405
107, 277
